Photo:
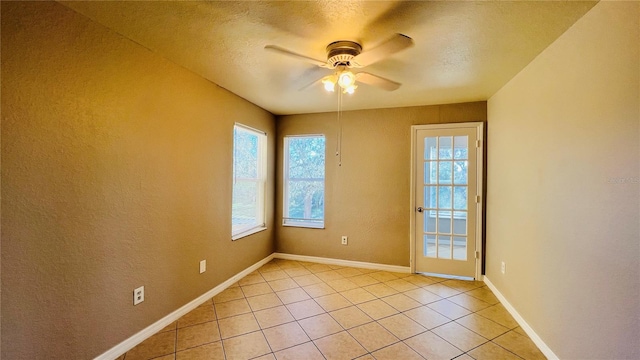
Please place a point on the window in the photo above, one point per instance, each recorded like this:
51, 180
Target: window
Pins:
249, 177
304, 181
449, 164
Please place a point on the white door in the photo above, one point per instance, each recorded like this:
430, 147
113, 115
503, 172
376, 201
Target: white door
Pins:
447, 178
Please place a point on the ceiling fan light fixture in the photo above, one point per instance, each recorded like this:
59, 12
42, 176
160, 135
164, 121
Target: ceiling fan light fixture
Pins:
350, 89
346, 79
329, 83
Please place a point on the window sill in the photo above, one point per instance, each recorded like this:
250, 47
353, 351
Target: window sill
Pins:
248, 232
304, 225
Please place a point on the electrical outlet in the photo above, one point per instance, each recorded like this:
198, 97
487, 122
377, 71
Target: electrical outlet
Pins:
203, 266
344, 240
503, 268
138, 295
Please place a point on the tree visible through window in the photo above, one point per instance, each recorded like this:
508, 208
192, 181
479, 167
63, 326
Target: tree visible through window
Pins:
304, 166
249, 177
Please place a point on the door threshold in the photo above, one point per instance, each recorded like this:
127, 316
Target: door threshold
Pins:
445, 276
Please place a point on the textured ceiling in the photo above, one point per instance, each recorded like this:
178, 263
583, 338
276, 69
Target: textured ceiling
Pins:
464, 51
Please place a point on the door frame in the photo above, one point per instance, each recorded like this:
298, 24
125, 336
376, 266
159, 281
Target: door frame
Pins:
479, 126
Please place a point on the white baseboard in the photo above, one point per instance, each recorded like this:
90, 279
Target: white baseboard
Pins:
340, 262
523, 324
145, 333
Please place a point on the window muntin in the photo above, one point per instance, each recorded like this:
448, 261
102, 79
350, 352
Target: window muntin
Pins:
304, 175
249, 179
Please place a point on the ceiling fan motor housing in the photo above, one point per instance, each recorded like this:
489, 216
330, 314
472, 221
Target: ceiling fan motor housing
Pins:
340, 53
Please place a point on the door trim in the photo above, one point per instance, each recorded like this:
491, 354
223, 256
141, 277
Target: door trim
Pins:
479, 126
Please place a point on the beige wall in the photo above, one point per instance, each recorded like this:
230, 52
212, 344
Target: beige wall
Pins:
116, 173
367, 198
561, 135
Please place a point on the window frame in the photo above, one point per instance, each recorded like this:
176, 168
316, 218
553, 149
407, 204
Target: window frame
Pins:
294, 222
261, 180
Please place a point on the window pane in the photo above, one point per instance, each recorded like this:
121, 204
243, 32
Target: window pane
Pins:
430, 172
429, 223
304, 181
460, 222
430, 197
460, 173
444, 222
429, 246
249, 163
461, 147
444, 197
430, 148
444, 173
459, 248
445, 148
460, 197
444, 247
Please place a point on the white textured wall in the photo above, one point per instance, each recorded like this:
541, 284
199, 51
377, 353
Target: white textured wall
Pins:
563, 201
116, 173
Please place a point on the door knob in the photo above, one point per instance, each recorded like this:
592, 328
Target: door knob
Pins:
420, 209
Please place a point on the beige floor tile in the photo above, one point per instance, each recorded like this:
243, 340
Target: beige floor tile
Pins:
329, 275
363, 280
349, 272
380, 290
401, 285
319, 326
318, 268
121, 357
273, 316
520, 331
458, 335
499, 314
160, 344
275, 275
211, 351
519, 345
463, 285
366, 357
270, 266
285, 336
238, 325
264, 301
299, 271
383, 276
320, 289
464, 357
441, 290
304, 309
283, 284
491, 351
166, 357
306, 351
485, 294
342, 285
358, 295
350, 317
232, 308
197, 335
419, 280
449, 309
401, 302
289, 264
173, 326
482, 326
232, 293
427, 317
256, 289
253, 278
292, 295
340, 346
430, 346
422, 296
247, 346
373, 336
397, 351
307, 280
469, 302
401, 326
333, 302
266, 357
377, 309
198, 315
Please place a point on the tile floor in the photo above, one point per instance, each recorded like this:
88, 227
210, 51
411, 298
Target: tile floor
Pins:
300, 310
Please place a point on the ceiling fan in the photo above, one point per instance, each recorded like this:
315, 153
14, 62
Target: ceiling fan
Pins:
344, 55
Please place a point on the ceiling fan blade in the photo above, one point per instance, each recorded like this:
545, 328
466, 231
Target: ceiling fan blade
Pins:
374, 80
394, 44
286, 52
